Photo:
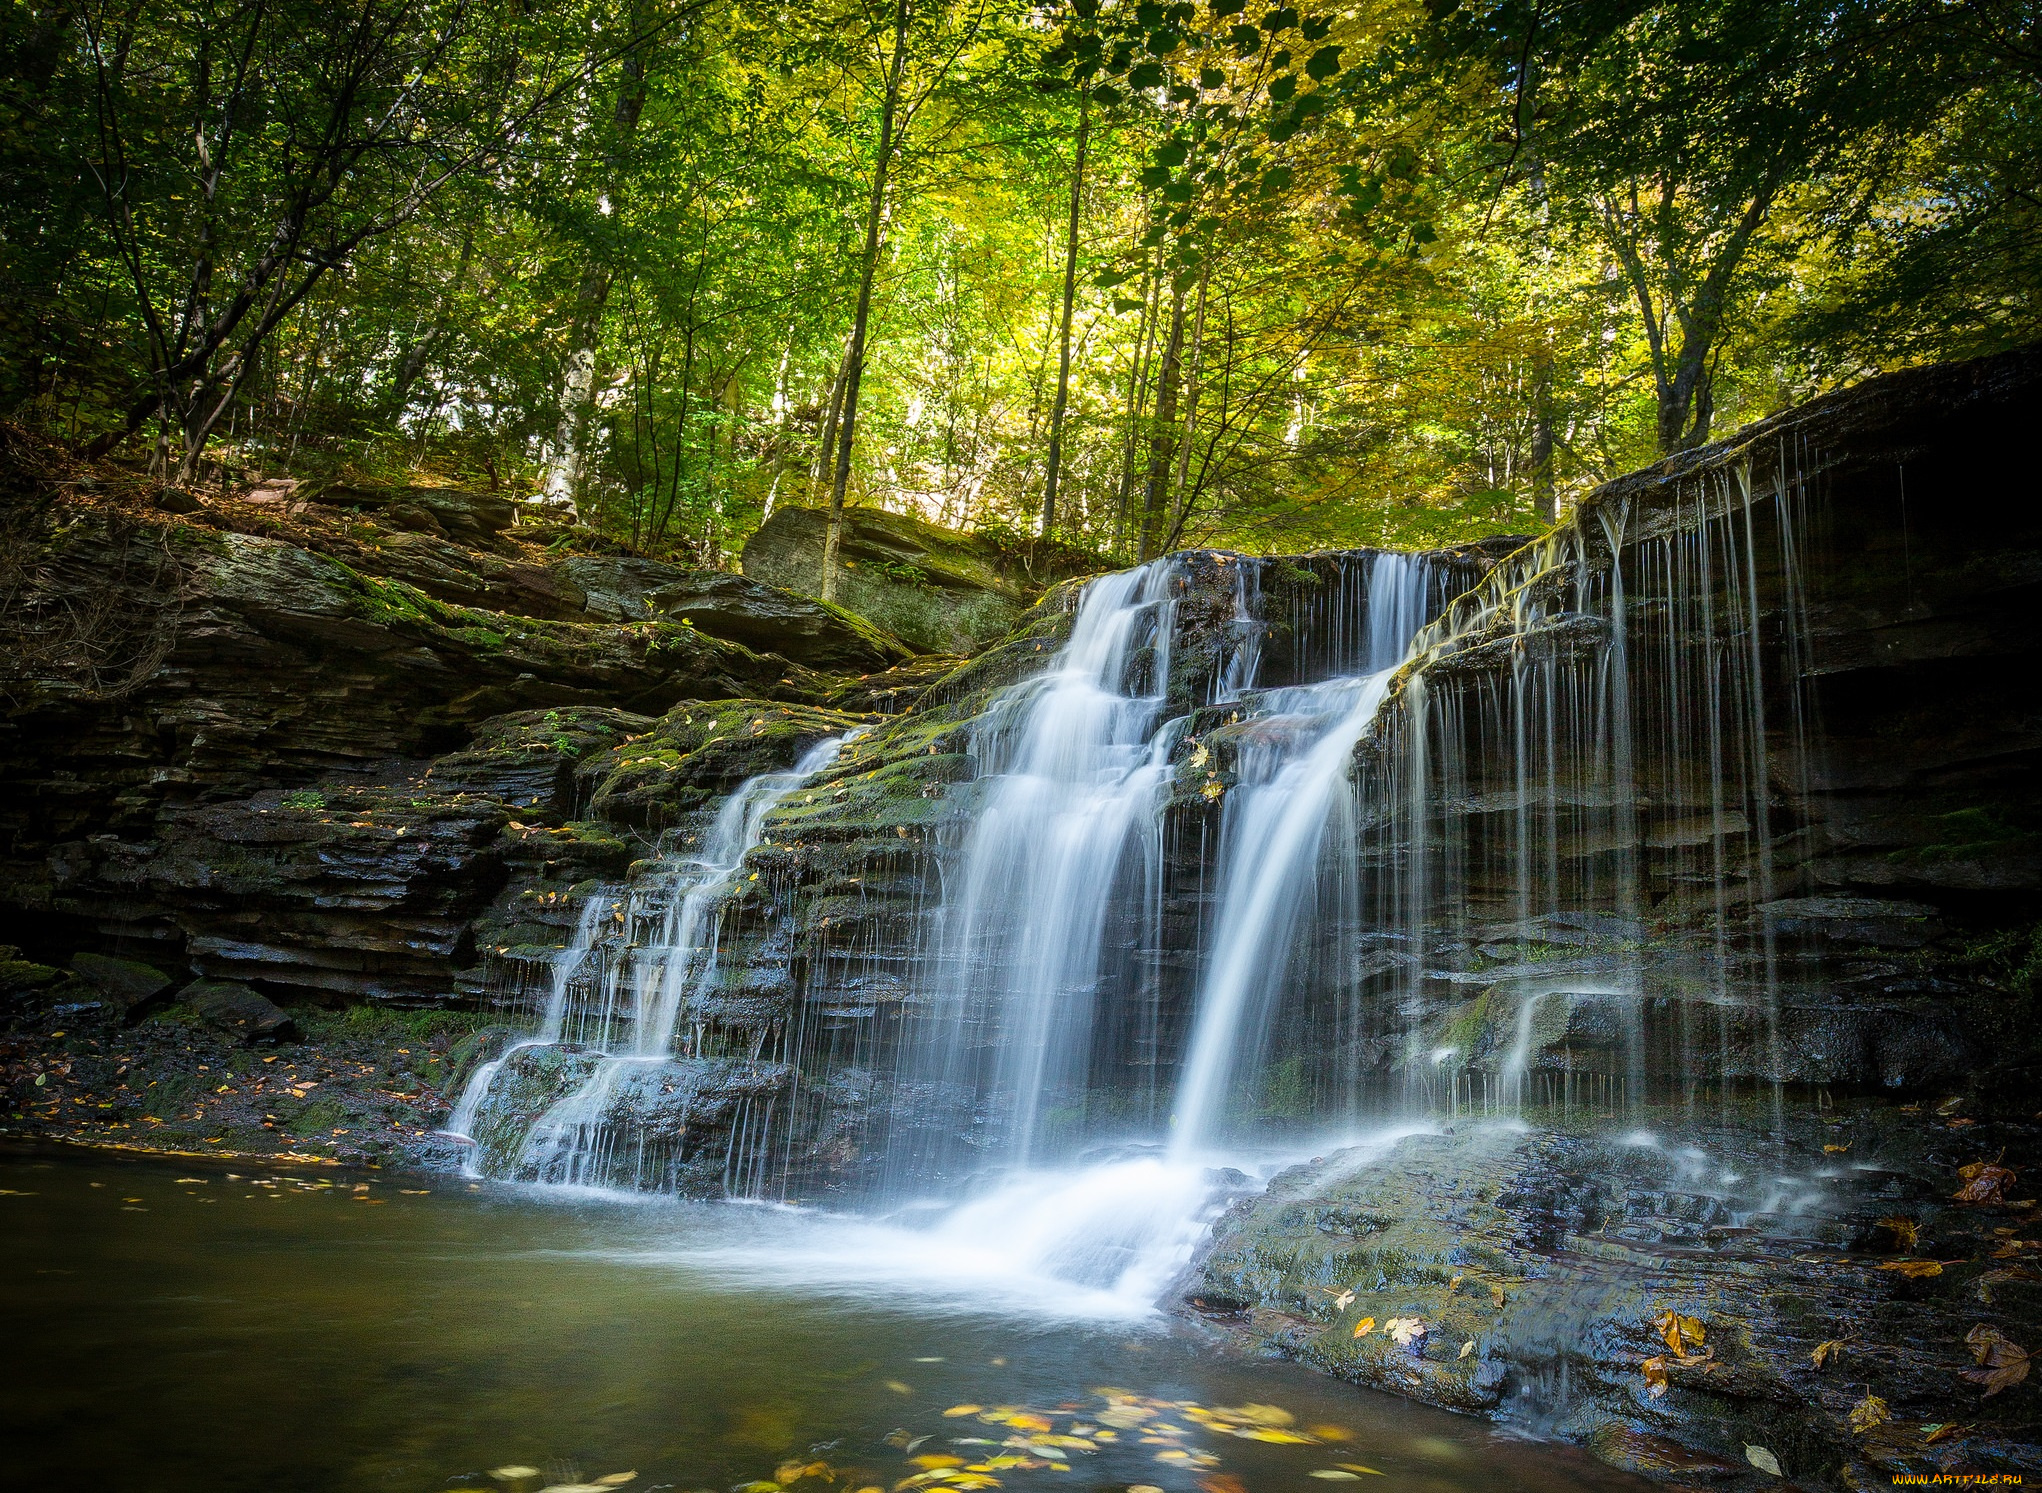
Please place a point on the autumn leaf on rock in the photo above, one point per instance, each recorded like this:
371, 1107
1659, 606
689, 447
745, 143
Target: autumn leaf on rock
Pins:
1343, 1301
1682, 1334
1404, 1331
1364, 1327
1984, 1182
1868, 1413
1654, 1370
1904, 1231
1824, 1352
2002, 1364
1985, 1283
1915, 1269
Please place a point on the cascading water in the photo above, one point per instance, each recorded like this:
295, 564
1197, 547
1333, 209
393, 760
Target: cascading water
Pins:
622, 1016
1182, 916
1294, 780
1073, 771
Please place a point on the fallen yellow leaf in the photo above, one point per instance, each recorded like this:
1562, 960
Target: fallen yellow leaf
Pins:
1868, 1413
1824, 1352
1682, 1334
1654, 1370
1364, 1327
964, 1409
1914, 1269
931, 1462
1904, 1230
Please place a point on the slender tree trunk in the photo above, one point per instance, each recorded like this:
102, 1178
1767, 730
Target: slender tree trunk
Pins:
1192, 368
1163, 429
1137, 390
1063, 360
577, 387
855, 359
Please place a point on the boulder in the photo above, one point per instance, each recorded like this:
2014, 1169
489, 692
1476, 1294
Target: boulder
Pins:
127, 985
472, 516
940, 590
736, 608
238, 1009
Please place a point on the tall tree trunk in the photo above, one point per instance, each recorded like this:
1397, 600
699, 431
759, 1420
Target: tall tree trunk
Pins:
1192, 367
1137, 391
1063, 360
577, 388
1163, 429
567, 457
1545, 497
855, 359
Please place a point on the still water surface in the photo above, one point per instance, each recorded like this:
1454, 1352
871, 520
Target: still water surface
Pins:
186, 1327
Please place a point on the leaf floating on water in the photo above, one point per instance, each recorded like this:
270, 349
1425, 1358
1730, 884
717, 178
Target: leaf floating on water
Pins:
1824, 1352
1404, 1331
1334, 1475
1259, 1415
2002, 1364
1868, 1413
1682, 1334
512, 1474
1654, 1370
1984, 1182
899, 1388
616, 1479
1357, 1467
1028, 1423
1763, 1460
957, 1410
1331, 1433
929, 1463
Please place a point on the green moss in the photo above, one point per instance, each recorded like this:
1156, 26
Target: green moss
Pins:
1970, 834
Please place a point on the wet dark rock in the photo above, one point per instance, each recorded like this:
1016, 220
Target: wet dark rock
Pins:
1551, 1253
128, 985
237, 1009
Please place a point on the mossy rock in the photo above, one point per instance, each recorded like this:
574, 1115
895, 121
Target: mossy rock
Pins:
939, 590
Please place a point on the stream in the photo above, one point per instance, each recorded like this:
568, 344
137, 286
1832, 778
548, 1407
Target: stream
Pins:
189, 1326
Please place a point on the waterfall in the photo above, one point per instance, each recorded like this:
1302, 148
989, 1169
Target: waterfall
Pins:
1294, 779
625, 1011
1072, 772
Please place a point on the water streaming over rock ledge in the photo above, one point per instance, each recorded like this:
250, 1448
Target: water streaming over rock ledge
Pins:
1523, 890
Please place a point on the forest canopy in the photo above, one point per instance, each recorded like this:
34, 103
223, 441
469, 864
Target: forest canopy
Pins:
1140, 274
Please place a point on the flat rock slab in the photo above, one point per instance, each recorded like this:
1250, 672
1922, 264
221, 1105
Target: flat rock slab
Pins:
127, 985
238, 1009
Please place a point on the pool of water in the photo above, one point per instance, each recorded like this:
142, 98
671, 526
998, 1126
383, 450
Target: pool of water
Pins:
199, 1326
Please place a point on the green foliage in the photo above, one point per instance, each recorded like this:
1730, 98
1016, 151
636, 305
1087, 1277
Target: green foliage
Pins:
1383, 274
